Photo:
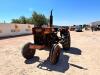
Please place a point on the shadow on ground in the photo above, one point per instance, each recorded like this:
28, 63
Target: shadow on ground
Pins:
74, 50
61, 66
33, 60
77, 66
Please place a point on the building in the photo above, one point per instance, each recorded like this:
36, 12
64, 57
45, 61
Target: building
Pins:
15, 29
95, 23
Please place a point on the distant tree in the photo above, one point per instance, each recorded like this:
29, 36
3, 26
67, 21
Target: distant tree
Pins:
74, 25
22, 20
39, 19
29, 20
15, 21
36, 19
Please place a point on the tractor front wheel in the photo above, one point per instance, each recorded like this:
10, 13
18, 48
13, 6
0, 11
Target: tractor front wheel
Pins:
54, 54
27, 52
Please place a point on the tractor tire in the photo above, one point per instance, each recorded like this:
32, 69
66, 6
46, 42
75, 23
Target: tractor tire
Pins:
27, 52
66, 43
55, 54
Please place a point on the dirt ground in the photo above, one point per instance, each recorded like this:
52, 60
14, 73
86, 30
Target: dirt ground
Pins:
82, 59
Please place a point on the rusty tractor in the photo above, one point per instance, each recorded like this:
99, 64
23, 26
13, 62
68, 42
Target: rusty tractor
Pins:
46, 37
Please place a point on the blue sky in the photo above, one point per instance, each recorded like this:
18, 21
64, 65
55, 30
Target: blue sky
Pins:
66, 12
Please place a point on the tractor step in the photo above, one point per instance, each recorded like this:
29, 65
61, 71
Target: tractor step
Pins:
37, 46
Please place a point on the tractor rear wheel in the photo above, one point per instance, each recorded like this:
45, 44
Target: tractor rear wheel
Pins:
54, 54
66, 42
27, 52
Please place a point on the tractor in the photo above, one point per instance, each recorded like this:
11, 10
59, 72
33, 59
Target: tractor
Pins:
46, 38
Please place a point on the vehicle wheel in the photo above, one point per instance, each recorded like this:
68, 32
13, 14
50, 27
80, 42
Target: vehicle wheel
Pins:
66, 42
54, 54
27, 52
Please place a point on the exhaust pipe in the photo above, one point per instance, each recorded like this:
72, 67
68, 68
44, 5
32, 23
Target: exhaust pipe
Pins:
51, 19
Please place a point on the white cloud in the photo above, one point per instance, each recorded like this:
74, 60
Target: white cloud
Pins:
30, 9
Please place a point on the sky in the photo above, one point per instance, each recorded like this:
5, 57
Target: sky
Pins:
65, 12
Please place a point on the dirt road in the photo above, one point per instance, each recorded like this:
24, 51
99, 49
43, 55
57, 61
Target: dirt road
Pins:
82, 59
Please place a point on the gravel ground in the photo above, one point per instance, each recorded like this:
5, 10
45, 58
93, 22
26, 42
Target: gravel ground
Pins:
82, 59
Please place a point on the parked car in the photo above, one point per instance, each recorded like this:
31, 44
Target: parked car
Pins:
78, 28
